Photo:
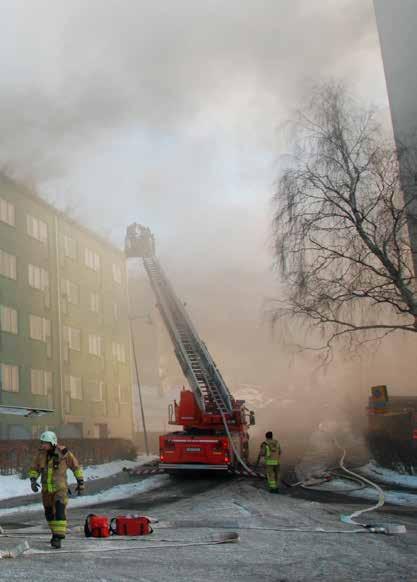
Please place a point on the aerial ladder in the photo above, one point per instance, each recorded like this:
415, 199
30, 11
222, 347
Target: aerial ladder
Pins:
214, 424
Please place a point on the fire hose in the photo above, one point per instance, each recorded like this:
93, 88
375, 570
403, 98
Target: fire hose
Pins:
351, 519
236, 452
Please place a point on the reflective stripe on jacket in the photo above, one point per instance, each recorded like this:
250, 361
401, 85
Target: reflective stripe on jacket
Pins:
271, 451
52, 467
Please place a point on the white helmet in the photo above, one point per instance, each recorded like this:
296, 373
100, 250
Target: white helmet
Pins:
49, 437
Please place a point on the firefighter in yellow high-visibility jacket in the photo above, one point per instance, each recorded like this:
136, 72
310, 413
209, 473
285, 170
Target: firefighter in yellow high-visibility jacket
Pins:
51, 464
271, 452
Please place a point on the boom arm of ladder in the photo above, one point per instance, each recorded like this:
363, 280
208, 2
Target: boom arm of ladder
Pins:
196, 362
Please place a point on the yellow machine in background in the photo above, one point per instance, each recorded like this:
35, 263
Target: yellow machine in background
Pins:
392, 428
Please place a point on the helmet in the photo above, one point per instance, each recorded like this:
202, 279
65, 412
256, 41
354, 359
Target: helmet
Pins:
49, 437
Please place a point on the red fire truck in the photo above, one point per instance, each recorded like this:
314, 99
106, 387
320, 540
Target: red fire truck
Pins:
214, 425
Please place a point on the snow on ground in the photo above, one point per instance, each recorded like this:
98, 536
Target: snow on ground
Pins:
372, 469
108, 469
115, 493
382, 475
14, 486
279, 539
346, 487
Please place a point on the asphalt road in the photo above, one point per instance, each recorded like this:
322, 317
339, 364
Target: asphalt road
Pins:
196, 511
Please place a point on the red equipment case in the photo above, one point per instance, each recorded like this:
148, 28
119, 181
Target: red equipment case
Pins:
134, 525
96, 526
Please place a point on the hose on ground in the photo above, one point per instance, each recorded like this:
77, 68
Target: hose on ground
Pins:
325, 478
381, 497
230, 539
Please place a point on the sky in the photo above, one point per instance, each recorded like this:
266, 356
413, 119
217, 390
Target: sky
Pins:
169, 114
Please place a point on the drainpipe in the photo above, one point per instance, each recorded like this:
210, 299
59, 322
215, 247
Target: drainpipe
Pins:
58, 287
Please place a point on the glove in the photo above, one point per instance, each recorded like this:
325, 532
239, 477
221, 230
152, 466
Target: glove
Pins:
34, 486
80, 487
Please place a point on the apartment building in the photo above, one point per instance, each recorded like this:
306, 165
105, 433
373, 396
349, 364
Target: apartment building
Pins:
396, 22
64, 333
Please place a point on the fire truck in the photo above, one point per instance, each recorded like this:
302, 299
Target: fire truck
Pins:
214, 433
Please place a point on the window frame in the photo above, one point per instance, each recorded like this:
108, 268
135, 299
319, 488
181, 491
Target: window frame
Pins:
95, 345
119, 352
36, 228
99, 385
120, 389
70, 243
46, 328
35, 272
9, 216
117, 273
95, 302
10, 315
46, 381
67, 287
74, 389
14, 372
9, 260
70, 333
92, 259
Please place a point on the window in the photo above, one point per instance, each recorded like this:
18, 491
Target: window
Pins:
38, 277
72, 338
119, 354
123, 394
117, 274
92, 260
95, 302
9, 378
70, 247
8, 319
7, 212
70, 291
115, 311
73, 385
39, 328
96, 390
7, 265
40, 382
95, 345
37, 228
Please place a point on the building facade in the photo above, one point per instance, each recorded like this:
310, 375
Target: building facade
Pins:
396, 22
64, 330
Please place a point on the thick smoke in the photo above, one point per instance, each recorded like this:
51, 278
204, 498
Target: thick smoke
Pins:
167, 113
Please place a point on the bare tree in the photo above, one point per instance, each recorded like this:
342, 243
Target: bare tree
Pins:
340, 224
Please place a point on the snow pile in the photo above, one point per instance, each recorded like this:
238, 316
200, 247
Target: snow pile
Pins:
113, 494
112, 468
375, 472
392, 497
14, 486
387, 476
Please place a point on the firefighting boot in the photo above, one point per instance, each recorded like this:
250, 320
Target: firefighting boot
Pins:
56, 542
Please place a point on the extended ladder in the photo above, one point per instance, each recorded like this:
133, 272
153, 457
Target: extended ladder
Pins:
196, 362
198, 366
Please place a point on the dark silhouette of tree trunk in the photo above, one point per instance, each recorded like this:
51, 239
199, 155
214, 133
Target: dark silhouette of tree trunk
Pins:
340, 224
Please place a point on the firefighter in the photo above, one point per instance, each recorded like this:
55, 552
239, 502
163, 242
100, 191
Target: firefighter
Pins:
51, 464
270, 450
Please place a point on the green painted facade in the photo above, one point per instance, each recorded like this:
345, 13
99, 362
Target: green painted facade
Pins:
97, 401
